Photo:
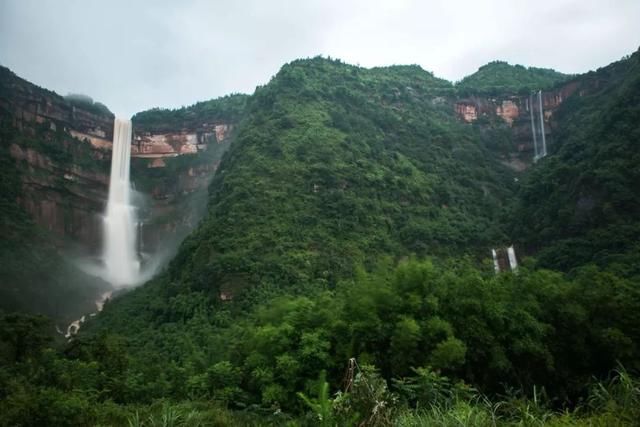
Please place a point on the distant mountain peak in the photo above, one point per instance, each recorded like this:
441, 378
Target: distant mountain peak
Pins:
500, 76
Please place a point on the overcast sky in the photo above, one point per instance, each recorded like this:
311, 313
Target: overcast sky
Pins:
133, 55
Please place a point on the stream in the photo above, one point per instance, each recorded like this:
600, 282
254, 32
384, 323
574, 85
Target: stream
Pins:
74, 326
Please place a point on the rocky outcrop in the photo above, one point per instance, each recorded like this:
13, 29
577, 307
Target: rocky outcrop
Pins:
158, 145
511, 107
167, 145
28, 104
98, 142
176, 197
515, 111
467, 110
508, 110
552, 99
62, 158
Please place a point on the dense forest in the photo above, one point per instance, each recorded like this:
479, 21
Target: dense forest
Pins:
582, 204
342, 274
499, 77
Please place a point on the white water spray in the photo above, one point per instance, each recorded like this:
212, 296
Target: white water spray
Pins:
120, 257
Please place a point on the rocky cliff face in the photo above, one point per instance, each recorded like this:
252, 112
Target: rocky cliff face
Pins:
511, 107
154, 145
63, 153
64, 178
173, 170
66, 200
515, 112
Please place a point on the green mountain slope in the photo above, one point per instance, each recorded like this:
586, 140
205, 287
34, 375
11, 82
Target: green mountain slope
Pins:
335, 166
229, 108
499, 77
581, 204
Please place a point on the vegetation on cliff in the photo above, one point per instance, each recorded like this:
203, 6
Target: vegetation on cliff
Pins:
582, 203
87, 103
335, 165
34, 276
499, 77
229, 109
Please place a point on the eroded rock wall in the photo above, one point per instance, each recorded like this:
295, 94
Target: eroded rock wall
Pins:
515, 112
63, 153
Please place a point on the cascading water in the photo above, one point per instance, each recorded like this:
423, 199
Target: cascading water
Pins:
121, 260
120, 257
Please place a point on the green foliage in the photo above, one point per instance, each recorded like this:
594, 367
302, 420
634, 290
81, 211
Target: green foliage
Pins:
366, 400
227, 109
581, 204
614, 403
22, 336
499, 77
431, 326
426, 388
321, 405
86, 103
336, 165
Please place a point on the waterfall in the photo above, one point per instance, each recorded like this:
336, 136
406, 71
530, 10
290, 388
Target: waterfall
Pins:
120, 255
513, 261
533, 128
539, 146
496, 265
543, 151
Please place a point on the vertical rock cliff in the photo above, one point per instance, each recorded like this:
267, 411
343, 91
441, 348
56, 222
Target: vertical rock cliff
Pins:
57, 152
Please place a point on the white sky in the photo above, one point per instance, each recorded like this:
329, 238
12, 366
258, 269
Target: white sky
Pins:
133, 55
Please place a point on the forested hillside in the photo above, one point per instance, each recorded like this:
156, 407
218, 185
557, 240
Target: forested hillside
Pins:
582, 203
230, 108
499, 77
335, 166
342, 275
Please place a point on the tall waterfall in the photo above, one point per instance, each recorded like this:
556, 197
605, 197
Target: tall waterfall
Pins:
120, 256
537, 125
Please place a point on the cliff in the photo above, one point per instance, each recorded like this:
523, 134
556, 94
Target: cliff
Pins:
172, 171
514, 112
62, 146
64, 178
56, 153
